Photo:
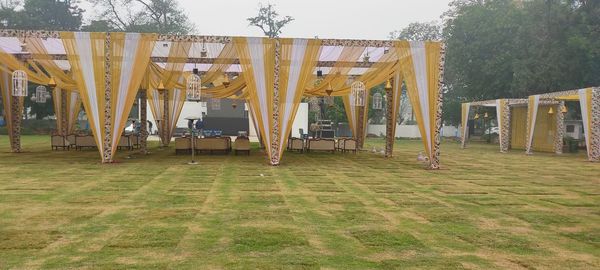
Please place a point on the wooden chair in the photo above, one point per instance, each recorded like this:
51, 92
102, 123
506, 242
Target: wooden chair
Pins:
125, 143
349, 145
241, 144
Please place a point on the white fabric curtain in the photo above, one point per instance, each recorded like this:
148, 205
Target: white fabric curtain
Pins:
499, 112
586, 115
130, 48
419, 57
83, 44
466, 109
74, 107
257, 51
288, 104
534, 102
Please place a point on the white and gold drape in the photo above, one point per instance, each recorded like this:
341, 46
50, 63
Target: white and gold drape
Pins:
127, 61
532, 112
465, 110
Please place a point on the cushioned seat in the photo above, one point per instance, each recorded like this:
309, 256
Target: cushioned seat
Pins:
211, 145
296, 144
85, 141
321, 145
125, 143
183, 145
348, 145
241, 144
61, 142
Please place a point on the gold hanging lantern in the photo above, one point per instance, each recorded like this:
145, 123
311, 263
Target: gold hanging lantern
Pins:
476, 116
20, 83
329, 90
194, 88
161, 86
564, 109
388, 85
52, 83
551, 111
226, 81
359, 93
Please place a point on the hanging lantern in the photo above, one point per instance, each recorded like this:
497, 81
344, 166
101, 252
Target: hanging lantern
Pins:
215, 104
329, 90
20, 83
319, 73
161, 86
476, 116
367, 57
40, 95
203, 51
226, 81
377, 101
313, 103
564, 109
330, 101
234, 105
551, 111
486, 115
359, 93
194, 88
52, 82
388, 85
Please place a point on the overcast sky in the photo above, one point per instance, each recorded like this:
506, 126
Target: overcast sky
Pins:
356, 19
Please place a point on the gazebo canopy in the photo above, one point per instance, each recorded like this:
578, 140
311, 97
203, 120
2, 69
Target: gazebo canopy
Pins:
271, 75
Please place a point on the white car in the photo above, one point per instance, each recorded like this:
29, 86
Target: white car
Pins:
492, 130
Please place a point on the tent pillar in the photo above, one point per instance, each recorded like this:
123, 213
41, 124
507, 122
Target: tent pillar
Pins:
165, 121
17, 114
560, 128
276, 132
107, 155
360, 127
504, 121
595, 126
390, 120
143, 121
63, 113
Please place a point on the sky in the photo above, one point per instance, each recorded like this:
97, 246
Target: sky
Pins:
353, 19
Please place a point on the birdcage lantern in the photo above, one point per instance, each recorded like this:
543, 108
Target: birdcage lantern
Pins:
377, 101
313, 103
330, 101
41, 95
194, 88
20, 83
215, 104
359, 93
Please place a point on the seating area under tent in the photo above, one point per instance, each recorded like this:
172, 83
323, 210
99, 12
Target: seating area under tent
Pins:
537, 124
107, 72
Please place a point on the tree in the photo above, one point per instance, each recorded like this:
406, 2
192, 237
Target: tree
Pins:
268, 20
418, 32
57, 15
160, 16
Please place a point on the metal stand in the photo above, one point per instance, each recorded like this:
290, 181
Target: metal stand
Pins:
193, 138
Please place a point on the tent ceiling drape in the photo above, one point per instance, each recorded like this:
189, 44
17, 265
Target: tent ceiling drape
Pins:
272, 75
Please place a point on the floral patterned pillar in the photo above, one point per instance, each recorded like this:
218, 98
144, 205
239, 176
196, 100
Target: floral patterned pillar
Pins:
390, 121
435, 161
107, 156
560, 128
165, 121
505, 122
275, 106
360, 127
63, 112
595, 151
17, 114
144, 121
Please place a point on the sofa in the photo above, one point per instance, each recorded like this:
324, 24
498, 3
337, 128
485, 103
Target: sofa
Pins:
321, 145
214, 144
59, 142
84, 141
241, 144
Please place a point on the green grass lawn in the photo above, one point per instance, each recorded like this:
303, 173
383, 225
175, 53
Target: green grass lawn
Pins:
483, 210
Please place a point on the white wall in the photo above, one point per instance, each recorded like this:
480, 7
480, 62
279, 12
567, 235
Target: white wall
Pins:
410, 131
301, 121
190, 109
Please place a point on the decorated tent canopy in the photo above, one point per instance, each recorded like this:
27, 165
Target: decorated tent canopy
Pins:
537, 123
107, 70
